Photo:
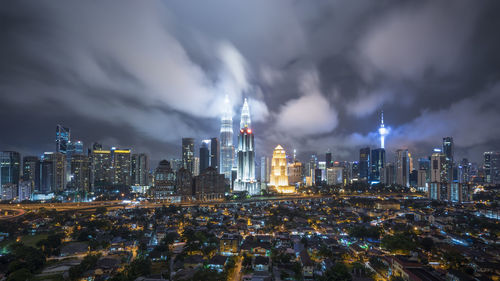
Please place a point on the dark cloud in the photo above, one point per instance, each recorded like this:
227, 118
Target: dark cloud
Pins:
145, 74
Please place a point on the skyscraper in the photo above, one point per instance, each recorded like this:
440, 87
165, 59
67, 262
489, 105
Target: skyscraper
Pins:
121, 166
31, 166
246, 155
448, 149
164, 181
58, 161
328, 160
140, 169
10, 169
364, 163
491, 167
226, 140
63, 137
188, 154
402, 167
214, 154
80, 173
279, 171
204, 155
377, 164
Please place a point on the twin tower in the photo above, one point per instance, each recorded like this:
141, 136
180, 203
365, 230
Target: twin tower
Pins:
245, 154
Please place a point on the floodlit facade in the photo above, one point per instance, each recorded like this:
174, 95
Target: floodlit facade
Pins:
226, 141
245, 180
279, 172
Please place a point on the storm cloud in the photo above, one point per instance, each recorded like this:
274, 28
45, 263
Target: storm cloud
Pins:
317, 74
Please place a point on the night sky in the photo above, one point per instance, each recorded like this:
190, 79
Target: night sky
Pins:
143, 74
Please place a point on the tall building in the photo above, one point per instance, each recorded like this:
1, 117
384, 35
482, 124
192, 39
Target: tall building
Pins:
10, 169
377, 164
45, 182
121, 166
246, 155
188, 154
204, 155
439, 176
63, 137
491, 167
226, 141
328, 160
295, 173
364, 163
58, 165
402, 168
265, 169
354, 171
389, 174
140, 169
184, 184
164, 181
335, 175
278, 179
102, 168
214, 154
382, 130
31, 166
196, 166
209, 185
80, 173
448, 150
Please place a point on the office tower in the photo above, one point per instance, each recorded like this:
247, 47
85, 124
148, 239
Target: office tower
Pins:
102, 168
246, 155
176, 164
278, 179
80, 173
422, 179
10, 171
377, 164
140, 169
63, 137
402, 168
214, 154
184, 184
58, 161
226, 140
164, 181
265, 169
317, 177
492, 167
96, 146
328, 160
31, 166
322, 167
364, 163
311, 165
448, 150
188, 154
464, 171
335, 175
438, 187
382, 131
204, 155
24, 191
413, 178
209, 185
389, 174
121, 166
355, 171
295, 173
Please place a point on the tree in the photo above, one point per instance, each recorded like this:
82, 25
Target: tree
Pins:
338, 272
20, 275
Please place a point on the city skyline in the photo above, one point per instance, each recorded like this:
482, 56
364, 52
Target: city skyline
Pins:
446, 87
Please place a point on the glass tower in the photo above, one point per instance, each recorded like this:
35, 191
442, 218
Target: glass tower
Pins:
226, 140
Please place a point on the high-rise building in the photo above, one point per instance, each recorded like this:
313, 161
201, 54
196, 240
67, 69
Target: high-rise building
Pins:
24, 191
279, 172
209, 185
265, 169
364, 163
188, 154
328, 160
226, 141
164, 181
402, 168
140, 169
63, 137
59, 166
335, 175
491, 167
204, 155
246, 155
121, 166
80, 173
10, 169
184, 184
377, 164
214, 154
354, 171
438, 186
389, 174
31, 166
295, 173
196, 166
45, 183
448, 150
102, 168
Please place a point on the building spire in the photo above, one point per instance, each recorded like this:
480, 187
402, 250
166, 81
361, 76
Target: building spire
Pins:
382, 130
245, 116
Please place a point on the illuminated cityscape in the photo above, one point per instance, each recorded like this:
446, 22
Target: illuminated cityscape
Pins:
250, 140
